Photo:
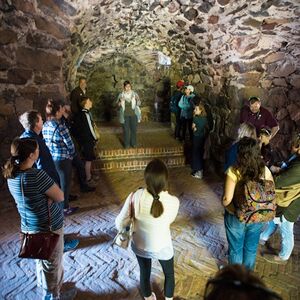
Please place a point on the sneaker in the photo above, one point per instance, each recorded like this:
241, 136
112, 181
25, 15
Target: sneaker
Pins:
70, 245
86, 188
68, 294
197, 174
152, 297
73, 197
70, 210
91, 182
274, 259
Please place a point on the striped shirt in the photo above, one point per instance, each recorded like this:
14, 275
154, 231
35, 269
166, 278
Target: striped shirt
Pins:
58, 140
33, 209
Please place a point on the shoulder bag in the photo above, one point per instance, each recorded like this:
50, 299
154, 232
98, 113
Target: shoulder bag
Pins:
38, 245
123, 237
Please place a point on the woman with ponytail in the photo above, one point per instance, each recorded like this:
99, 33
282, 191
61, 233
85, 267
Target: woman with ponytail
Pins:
36, 194
154, 210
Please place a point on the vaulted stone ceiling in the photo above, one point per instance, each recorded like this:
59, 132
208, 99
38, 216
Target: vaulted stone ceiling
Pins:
227, 49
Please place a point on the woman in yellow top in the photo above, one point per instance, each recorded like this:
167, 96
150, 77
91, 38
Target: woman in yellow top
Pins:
243, 237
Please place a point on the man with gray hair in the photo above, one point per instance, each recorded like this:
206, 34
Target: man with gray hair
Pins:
32, 123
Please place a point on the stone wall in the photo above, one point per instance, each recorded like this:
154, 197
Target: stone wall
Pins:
33, 37
229, 50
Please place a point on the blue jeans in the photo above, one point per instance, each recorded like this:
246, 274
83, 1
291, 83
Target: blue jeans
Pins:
242, 240
287, 235
64, 170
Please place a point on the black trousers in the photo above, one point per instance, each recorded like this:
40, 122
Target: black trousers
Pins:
186, 124
79, 166
145, 272
130, 127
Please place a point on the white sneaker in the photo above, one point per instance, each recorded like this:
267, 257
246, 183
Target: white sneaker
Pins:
198, 175
152, 297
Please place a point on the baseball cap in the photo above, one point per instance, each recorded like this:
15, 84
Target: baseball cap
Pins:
191, 88
180, 83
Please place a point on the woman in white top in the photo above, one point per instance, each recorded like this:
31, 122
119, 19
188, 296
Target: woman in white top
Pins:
154, 210
243, 237
129, 114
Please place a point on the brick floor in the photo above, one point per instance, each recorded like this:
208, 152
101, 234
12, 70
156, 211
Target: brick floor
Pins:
100, 271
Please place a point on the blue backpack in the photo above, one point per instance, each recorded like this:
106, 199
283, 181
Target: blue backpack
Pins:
174, 102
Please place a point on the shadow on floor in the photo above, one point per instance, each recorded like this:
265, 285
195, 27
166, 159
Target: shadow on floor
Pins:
94, 240
85, 295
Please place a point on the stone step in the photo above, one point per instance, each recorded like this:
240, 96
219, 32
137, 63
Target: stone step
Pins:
154, 140
132, 153
136, 163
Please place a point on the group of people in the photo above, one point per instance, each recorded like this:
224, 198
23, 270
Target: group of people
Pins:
189, 114
39, 177
245, 224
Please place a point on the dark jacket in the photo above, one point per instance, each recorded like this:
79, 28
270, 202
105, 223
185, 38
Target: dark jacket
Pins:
75, 98
81, 129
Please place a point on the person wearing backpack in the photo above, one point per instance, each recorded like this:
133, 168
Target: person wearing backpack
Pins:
174, 108
288, 207
249, 200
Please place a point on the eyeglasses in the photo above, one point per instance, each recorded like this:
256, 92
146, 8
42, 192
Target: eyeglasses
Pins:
253, 99
239, 285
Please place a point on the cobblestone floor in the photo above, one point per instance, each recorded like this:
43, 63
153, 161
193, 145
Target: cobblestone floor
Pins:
100, 271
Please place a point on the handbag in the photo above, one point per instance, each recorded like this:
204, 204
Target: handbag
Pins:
123, 237
38, 245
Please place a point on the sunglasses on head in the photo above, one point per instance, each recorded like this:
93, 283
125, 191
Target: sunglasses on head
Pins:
253, 99
265, 131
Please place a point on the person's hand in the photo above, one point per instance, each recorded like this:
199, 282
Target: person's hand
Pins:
275, 169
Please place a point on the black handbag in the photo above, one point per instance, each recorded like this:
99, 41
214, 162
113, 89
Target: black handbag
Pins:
38, 245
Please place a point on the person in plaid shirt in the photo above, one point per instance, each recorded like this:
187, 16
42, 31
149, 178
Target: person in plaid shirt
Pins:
59, 141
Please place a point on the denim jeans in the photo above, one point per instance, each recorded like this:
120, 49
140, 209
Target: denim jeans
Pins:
50, 272
64, 170
145, 272
242, 240
287, 235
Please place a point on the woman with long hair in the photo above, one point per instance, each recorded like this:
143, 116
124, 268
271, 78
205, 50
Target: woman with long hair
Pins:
59, 141
200, 130
243, 237
36, 194
154, 210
